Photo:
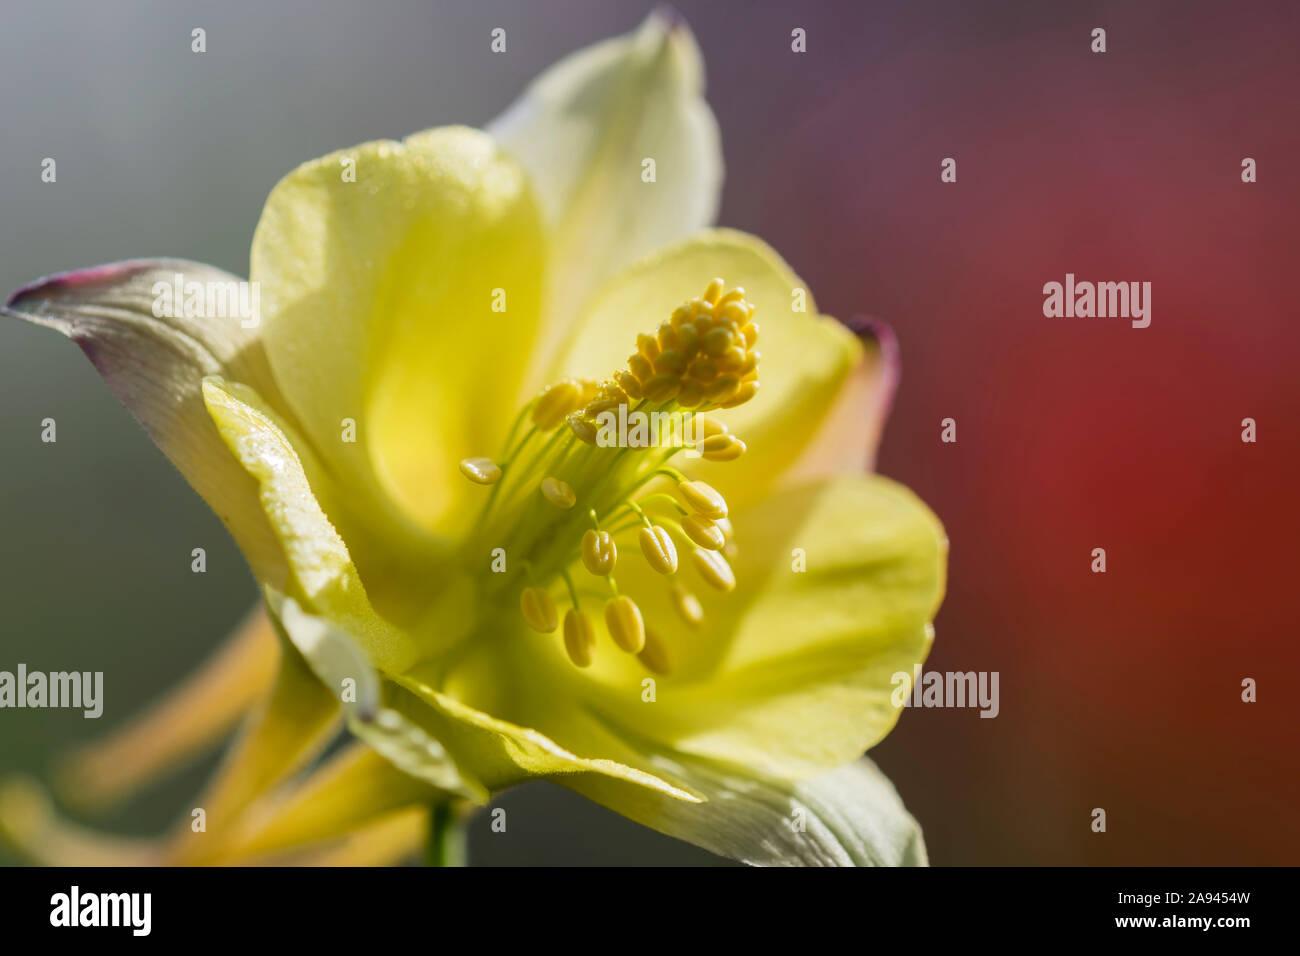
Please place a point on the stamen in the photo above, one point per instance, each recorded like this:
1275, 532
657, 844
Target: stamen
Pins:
626, 626
579, 638
655, 654
704, 499
687, 605
714, 568
555, 402
702, 358
481, 471
728, 449
539, 610
558, 493
658, 549
599, 553
704, 532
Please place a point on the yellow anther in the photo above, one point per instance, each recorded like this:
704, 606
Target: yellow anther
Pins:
706, 426
714, 443
584, 429
689, 356
746, 392
599, 553
688, 605
647, 345
640, 367
714, 568
724, 525
704, 499
723, 388
654, 656
661, 388
555, 402
734, 312
717, 340
703, 532
691, 394
558, 493
670, 361
732, 449
579, 637
657, 546
629, 383
732, 360
539, 610
481, 471
735, 295
626, 627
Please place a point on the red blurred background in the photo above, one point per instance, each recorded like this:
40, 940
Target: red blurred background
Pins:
1119, 690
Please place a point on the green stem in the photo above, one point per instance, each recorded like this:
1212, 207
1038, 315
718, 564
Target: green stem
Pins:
447, 844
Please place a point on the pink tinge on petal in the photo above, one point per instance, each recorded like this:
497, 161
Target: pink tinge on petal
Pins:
872, 330
76, 278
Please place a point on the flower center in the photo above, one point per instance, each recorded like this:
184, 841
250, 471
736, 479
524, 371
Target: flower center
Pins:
590, 473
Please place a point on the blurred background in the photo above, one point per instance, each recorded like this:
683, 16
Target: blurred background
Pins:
1119, 691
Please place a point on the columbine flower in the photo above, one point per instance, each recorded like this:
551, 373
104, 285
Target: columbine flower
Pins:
408, 449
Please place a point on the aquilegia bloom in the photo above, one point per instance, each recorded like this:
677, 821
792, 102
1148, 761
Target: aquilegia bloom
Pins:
412, 446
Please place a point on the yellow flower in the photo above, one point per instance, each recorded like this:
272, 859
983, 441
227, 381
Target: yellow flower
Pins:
410, 445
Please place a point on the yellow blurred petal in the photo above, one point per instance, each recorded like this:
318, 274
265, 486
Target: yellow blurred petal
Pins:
154, 366
347, 794
583, 130
29, 825
807, 358
406, 302
388, 841
295, 723
190, 717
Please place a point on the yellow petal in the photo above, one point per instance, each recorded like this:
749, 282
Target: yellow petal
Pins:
379, 300
321, 567
850, 816
154, 365
584, 130
413, 724
806, 358
191, 716
846, 438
